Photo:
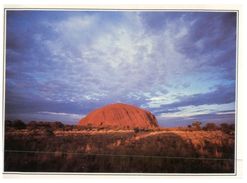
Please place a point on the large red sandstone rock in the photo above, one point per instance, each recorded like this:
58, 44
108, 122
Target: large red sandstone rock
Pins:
120, 116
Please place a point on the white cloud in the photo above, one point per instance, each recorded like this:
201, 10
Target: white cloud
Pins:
103, 59
190, 111
93, 57
226, 112
70, 115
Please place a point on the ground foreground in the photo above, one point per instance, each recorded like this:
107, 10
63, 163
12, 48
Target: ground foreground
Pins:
119, 151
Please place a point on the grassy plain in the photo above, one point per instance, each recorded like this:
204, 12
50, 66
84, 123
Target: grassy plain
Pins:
176, 150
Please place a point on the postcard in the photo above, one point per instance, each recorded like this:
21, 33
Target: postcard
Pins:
135, 91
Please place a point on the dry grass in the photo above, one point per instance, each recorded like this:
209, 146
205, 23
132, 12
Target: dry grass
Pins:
160, 151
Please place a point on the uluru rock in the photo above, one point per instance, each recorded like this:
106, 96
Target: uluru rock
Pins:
120, 115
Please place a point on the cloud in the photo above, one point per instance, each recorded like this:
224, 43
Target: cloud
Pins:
73, 62
109, 60
220, 95
63, 115
190, 111
204, 118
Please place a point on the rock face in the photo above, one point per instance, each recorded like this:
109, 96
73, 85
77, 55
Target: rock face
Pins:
121, 116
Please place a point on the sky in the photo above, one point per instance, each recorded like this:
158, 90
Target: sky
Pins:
60, 65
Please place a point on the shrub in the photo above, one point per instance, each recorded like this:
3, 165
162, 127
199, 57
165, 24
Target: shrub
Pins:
227, 128
136, 130
196, 125
48, 132
210, 127
68, 127
189, 127
38, 125
18, 124
120, 153
56, 125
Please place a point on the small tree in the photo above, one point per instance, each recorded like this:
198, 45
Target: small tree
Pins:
189, 127
56, 125
18, 124
227, 128
210, 127
196, 125
32, 125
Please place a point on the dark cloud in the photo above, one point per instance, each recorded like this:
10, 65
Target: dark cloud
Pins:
215, 30
212, 35
157, 22
221, 95
30, 104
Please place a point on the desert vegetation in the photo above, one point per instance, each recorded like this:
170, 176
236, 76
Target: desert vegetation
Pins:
56, 147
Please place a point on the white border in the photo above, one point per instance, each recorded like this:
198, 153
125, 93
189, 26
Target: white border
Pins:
241, 66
